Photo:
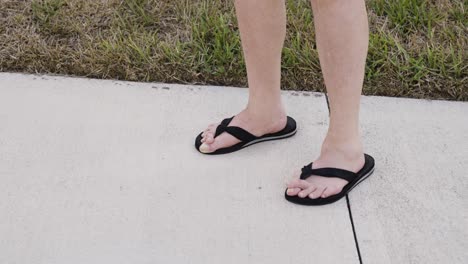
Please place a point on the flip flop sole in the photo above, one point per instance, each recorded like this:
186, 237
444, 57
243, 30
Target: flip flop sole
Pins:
270, 138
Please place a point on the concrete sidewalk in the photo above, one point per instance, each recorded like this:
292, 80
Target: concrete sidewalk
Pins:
102, 171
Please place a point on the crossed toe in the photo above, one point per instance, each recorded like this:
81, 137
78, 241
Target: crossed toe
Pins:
208, 134
210, 143
313, 189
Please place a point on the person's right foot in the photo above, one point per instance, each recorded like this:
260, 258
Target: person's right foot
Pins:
253, 122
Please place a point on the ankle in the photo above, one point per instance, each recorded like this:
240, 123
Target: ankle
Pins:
344, 156
349, 148
266, 110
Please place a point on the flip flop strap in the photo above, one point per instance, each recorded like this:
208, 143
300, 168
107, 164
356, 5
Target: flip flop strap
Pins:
236, 132
307, 171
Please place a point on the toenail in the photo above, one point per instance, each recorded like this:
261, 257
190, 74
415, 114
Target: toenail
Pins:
204, 148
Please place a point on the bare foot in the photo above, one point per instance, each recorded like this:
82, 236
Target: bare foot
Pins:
254, 122
348, 156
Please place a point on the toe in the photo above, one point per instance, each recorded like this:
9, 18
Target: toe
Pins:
317, 192
293, 191
292, 184
211, 129
205, 148
298, 183
329, 191
209, 139
306, 192
222, 141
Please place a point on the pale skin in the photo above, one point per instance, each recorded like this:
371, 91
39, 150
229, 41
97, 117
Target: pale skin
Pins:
342, 40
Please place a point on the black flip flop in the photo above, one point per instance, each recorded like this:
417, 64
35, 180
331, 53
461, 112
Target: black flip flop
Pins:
352, 178
246, 138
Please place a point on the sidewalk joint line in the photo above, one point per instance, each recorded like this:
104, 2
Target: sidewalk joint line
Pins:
354, 230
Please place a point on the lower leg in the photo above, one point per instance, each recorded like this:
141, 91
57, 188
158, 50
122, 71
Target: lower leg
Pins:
262, 25
342, 39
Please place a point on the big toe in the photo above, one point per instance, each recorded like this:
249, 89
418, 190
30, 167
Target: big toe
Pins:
293, 191
205, 148
298, 183
298, 187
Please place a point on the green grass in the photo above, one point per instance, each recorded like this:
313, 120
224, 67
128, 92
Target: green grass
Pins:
417, 48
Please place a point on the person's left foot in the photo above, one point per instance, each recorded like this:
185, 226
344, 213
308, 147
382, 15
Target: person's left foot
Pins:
314, 187
255, 122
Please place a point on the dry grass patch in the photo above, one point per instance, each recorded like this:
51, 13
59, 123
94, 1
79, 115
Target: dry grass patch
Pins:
418, 48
